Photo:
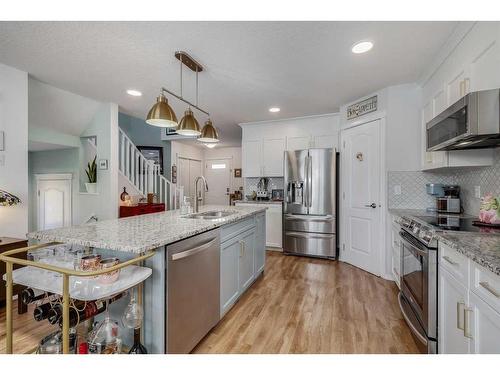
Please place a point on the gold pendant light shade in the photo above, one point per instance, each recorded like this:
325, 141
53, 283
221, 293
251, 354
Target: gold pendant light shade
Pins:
161, 114
188, 124
209, 133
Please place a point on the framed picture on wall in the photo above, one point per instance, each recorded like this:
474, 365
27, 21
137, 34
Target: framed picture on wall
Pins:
237, 172
155, 154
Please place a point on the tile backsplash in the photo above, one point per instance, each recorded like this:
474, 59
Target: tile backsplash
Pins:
413, 193
274, 183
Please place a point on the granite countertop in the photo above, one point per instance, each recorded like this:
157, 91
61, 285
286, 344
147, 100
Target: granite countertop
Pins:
482, 248
258, 202
138, 234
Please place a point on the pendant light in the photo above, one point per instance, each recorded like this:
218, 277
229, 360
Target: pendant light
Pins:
161, 114
209, 133
188, 125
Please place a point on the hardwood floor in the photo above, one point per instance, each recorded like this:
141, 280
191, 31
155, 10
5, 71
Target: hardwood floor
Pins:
300, 305
304, 305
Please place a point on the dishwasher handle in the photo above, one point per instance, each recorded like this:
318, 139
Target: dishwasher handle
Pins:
193, 251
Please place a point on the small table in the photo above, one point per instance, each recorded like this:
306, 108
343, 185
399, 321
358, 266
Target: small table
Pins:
9, 243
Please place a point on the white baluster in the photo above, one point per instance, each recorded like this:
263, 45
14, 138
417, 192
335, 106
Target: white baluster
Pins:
122, 152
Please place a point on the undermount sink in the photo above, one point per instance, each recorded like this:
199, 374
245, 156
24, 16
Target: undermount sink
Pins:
209, 215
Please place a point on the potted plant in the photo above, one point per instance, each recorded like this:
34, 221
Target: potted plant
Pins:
91, 171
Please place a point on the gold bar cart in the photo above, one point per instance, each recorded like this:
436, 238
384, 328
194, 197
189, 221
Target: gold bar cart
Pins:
66, 273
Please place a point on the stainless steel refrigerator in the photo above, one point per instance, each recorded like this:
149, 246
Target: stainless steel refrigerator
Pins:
309, 208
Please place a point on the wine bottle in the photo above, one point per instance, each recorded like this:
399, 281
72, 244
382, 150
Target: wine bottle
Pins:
86, 310
41, 312
137, 348
30, 295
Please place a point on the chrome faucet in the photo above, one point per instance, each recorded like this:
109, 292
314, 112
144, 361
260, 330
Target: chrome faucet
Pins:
197, 199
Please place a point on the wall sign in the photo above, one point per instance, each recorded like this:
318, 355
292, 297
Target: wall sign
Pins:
362, 108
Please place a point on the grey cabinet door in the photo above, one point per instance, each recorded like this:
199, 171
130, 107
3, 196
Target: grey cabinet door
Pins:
229, 280
260, 243
246, 269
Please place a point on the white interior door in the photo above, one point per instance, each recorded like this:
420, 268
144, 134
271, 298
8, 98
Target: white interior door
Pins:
218, 175
54, 202
361, 213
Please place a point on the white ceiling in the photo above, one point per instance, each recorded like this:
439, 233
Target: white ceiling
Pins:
303, 67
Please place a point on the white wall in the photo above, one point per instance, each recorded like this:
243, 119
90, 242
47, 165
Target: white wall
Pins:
14, 168
105, 205
234, 153
400, 105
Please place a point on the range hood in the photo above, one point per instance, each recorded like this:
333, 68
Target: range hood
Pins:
470, 123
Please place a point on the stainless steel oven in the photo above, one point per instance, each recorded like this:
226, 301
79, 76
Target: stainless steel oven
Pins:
418, 297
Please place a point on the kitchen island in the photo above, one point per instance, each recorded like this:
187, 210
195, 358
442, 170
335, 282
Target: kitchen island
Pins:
239, 234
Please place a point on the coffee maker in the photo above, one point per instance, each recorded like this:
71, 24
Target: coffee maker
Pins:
447, 198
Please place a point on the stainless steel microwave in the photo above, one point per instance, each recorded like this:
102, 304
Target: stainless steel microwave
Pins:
472, 122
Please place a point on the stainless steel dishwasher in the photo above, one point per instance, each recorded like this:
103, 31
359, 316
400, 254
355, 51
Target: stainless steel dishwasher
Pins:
193, 289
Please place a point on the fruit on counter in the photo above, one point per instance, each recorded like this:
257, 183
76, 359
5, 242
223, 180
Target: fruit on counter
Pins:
489, 211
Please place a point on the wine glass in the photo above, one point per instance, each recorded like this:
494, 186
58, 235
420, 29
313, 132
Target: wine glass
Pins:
133, 314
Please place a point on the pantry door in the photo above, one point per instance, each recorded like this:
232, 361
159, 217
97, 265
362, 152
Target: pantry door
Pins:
361, 196
53, 200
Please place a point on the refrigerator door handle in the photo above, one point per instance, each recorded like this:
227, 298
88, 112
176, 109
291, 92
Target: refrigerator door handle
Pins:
306, 182
325, 218
309, 183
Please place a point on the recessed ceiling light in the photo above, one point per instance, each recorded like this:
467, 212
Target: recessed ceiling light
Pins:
362, 47
274, 109
134, 92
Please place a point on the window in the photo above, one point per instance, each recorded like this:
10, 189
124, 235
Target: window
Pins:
218, 166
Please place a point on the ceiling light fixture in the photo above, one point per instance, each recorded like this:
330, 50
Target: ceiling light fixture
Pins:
210, 145
209, 133
362, 47
274, 109
161, 114
134, 92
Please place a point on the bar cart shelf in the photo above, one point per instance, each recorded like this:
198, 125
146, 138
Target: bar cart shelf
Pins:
80, 288
69, 283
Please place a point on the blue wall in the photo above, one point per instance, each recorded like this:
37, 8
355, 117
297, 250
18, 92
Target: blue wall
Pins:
143, 134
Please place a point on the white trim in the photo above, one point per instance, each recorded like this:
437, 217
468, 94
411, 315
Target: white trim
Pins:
243, 124
53, 176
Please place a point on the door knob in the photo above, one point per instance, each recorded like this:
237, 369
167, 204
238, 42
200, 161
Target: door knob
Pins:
373, 205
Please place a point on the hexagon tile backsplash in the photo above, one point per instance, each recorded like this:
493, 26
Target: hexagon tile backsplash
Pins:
413, 193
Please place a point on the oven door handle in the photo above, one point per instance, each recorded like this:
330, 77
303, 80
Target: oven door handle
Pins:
420, 249
410, 324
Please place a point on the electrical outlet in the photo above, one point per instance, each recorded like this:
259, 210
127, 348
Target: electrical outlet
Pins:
477, 191
397, 189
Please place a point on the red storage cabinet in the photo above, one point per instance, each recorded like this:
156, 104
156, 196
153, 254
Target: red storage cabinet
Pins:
141, 209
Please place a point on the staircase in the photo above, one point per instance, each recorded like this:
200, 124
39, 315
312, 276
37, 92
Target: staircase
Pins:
144, 175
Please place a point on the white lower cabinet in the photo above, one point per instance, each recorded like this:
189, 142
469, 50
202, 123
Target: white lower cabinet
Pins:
467, 322
452, 301
242, 258
484, 323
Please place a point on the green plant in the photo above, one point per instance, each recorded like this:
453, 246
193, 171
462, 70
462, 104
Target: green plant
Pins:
92, 171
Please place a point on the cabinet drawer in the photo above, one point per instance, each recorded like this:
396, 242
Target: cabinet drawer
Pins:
232, 230
454, 262
486, 285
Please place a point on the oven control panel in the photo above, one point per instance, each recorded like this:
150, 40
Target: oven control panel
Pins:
418, 230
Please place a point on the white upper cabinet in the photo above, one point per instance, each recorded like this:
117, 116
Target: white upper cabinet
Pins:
264, 143
471, 66
272, 155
